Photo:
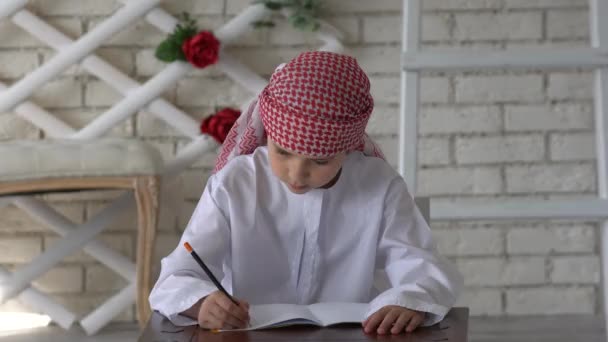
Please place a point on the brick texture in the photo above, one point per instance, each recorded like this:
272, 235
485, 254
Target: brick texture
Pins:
483, 136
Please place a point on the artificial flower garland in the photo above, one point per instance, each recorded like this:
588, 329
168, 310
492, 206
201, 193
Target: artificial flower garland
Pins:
201, 49
219, 124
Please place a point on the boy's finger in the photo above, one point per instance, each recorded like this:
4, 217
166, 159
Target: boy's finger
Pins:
388, 321
400, 323
234, 322
224, 320
224, 316
244, 305
235, 310
204, 323
414, 323
373, 321
211, 322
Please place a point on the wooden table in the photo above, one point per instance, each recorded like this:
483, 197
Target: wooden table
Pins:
452, 329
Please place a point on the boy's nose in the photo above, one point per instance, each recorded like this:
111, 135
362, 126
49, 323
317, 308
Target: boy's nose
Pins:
298, 174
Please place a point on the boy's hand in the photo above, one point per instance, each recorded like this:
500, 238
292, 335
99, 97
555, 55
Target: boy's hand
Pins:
218, 312
393, 318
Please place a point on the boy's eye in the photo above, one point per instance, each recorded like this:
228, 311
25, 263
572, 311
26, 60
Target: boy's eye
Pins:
321, 162
282, 152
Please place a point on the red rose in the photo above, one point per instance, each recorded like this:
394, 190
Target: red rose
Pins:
219, 124
201, 50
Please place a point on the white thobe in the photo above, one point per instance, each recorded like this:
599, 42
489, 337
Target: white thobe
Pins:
269, 245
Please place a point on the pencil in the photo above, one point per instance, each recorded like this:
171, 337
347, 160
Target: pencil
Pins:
208, 272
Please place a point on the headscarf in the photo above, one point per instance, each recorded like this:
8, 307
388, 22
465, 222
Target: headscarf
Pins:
317, 105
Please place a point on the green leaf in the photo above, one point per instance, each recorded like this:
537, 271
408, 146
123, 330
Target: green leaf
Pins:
304, 13
273, 5
304, 22
290, 3
263, 23
309, 4
169, 51
182, 35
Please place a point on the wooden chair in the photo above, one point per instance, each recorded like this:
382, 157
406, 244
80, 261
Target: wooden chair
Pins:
35, 167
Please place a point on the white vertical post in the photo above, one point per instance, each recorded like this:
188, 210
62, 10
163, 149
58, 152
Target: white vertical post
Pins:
408, 125
598, 12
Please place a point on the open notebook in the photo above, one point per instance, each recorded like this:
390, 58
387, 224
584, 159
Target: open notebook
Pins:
320, 314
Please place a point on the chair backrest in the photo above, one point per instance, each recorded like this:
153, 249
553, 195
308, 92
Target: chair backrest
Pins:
381, 282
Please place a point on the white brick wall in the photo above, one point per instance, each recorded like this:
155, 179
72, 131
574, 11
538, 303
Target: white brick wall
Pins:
15, 37
446, 120
201, 7
550, 178
490, 26
76, 7
77, 118
19, 249
363, 6
508, 88
567, 24
17, 64
99, 279
216, 93
551, 300
53, 94
500, 272
565, 86
562, 117
13, 127
382, 59
63, 279
379, 29
482, 301
446, 181
525, 134
572, 146
546, 3
537, 240
467, 241
575, 269
481, 150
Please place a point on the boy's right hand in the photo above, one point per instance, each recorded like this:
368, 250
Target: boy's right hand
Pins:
218, 312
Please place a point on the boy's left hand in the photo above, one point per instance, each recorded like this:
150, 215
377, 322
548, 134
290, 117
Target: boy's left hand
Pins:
393, 318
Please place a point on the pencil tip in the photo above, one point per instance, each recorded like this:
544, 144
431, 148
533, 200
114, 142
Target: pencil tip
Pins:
188, 247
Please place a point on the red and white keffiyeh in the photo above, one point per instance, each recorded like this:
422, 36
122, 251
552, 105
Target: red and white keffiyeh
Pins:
316, 105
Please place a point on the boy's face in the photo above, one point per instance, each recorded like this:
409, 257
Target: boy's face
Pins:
301, 173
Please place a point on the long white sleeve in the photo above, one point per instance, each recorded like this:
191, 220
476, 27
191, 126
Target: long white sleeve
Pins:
421, 280
182, 282
267, 245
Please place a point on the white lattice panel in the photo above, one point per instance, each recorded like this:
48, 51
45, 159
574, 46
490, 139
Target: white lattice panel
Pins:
136, 96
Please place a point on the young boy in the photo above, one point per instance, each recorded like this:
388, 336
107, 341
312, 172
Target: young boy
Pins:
303, 208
